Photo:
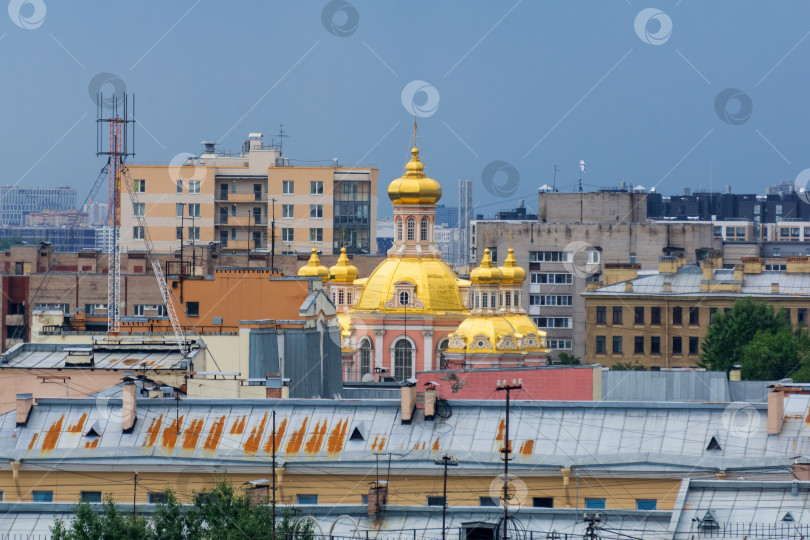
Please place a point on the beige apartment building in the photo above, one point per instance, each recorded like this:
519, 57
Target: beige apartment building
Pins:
234, 199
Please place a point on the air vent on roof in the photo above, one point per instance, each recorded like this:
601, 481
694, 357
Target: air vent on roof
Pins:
708, 522
788, 517
358, 433
713, 445
94, 430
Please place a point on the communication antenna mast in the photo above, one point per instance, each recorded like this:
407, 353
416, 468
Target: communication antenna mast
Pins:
281, 135
117, 145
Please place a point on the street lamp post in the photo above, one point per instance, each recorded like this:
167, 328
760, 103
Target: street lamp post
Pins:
506, 387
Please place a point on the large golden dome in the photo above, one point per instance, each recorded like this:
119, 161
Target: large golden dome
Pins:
436, 286
414, 187
314, 268
512, 273
486, 273
495, 334
343, 271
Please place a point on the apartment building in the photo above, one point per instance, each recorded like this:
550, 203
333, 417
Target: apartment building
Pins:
17, 202
660, 319
234, 200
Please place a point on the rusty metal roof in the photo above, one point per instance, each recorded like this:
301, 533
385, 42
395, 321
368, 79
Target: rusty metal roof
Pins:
545, 435
118, 357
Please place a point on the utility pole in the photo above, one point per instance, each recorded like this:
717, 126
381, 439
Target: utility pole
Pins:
274, 472
591, 532
506, 387
447, 461
182, 224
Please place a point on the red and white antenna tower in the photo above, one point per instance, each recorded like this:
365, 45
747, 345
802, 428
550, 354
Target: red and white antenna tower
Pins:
120, 144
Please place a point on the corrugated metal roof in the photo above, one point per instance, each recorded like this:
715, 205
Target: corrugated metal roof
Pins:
142, 356
644, 436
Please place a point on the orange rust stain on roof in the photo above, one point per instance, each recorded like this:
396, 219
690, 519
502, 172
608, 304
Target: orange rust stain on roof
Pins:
268, 446
436, 445
252, 444
424, 445
170, 434
192, 434
527, 447
316, 439
153, 430
381, 445
77, 427
238, 426
297, 438
501, 429
130, 361
337, 437
807, 418
374, 444
33, 441
212, 441
52, 436
92, 444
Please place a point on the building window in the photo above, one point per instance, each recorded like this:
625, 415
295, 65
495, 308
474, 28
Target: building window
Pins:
179, 186
141, 309
316, 235
287, 211
801, 315
484, 300
433, 500
193, 309
316, 187
639, 315
287, 234
543, 502
552, 322
139, 209
601, 314
423, 229
42, 496
403, 360
194, 210
655, 315
646, 504
694, 316
194, 187
399, 229
90, 496
193, 233
601, 345
137, 232
694, 345
404, 298
306, 499
557, 278
287, 187
677, 345
139, 186
617, 315
486, 500
316, 211
340, 297
411, 229
677, 315
638, 345
178, 209
595, 504
365, 358
655, 344
712, 313
617, 344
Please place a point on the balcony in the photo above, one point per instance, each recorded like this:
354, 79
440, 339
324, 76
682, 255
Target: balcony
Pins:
240, 221
244, 245
249, 197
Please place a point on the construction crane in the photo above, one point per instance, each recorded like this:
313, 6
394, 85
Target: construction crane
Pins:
120, 145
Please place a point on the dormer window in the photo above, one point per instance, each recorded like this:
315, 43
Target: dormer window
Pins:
404, 298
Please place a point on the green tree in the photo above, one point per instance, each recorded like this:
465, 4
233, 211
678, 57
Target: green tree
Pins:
223, 513
732, 331
8, 242
773, 356
628, 366
568, 359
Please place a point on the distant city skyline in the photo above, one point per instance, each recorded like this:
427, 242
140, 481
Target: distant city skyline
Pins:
689, 94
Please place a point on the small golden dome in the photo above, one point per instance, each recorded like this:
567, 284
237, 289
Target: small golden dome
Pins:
512, 273
486, 273
343, 271
414, 187
314, 268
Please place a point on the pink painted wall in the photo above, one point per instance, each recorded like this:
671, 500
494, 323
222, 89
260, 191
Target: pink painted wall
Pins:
545, 383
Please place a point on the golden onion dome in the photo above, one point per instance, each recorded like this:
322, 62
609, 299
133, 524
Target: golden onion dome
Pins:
343, 271
414, 187
533, 337
486, 273
314, 268
512, 273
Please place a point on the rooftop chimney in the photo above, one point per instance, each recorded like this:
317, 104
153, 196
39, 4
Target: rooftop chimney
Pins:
431, 394
377, 498
25, 402
776, 411
209, 149
408, 397
129, 407
735, 375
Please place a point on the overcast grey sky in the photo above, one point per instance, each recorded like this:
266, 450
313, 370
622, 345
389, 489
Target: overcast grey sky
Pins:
638, 90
